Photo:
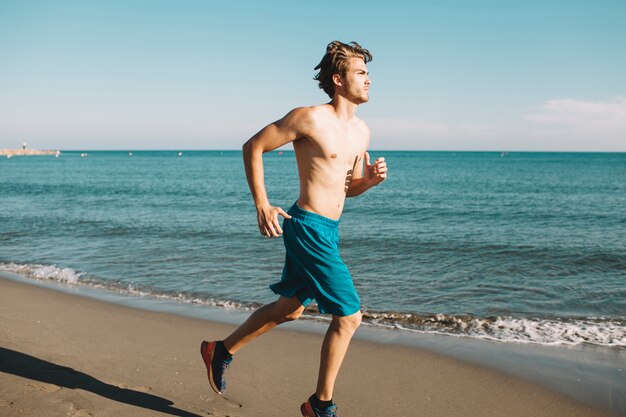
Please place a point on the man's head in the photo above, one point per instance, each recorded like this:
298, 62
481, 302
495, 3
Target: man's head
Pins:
336, 61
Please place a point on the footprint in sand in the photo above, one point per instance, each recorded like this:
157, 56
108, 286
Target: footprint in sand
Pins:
45, 387
79, 413
229, 402
232, 403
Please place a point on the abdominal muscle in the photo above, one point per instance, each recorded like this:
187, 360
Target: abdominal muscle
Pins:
323, 200
324, 177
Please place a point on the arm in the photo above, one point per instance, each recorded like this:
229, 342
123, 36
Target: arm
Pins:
364, 179
269, 138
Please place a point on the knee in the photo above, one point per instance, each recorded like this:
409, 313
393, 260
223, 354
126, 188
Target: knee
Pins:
283, 314
350, 323
294, 315
356, 319
286, 309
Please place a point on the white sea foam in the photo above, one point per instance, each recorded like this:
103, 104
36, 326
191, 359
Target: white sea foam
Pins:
43, 272
560, 332
570, 331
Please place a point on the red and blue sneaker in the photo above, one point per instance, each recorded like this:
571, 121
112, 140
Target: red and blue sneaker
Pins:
217, 359
309, 410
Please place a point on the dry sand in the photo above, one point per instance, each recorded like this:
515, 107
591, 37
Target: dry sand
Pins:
25, 152
65, 355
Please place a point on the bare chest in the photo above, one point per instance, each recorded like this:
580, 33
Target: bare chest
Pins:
340, 149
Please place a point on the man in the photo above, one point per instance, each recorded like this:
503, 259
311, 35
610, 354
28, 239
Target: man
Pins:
330, 144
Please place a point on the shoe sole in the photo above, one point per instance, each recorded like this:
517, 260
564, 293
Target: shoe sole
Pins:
206, 350
306, 411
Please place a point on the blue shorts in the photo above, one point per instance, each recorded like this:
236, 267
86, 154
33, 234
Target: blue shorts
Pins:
313, 268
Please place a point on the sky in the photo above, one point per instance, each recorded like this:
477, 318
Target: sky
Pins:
446, 75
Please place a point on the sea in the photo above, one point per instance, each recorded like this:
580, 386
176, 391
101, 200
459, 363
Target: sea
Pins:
510, 247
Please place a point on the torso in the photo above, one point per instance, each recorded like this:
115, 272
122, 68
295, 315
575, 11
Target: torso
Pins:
327, 157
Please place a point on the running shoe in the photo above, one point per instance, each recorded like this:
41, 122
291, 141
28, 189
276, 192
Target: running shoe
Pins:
215, 366
308, 410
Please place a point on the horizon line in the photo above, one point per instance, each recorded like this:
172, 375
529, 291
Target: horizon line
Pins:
290, 149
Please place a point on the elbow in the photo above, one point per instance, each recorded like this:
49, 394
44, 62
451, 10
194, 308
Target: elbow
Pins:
253, 147
251, 150
246, 147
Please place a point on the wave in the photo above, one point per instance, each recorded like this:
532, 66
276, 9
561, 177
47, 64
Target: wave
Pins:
43, 272
545, 331
71, 277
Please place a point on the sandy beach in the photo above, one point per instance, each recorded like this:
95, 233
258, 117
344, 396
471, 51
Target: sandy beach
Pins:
26, 152
66, 355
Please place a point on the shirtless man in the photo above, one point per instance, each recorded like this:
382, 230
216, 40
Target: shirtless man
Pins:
330, 144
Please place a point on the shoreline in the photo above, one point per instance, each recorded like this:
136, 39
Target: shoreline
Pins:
605, 332
64, 329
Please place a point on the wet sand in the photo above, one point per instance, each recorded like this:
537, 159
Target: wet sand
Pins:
66, 355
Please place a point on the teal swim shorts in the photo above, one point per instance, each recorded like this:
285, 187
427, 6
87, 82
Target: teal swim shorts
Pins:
313, 268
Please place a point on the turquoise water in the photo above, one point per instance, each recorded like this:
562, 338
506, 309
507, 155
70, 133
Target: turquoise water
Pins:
525, 247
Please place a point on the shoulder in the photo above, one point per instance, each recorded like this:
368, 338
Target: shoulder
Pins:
310, 113
305, 119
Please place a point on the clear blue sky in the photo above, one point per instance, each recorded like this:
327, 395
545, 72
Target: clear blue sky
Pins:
447, 75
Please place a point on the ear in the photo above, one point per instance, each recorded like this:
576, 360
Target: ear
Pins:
337, 79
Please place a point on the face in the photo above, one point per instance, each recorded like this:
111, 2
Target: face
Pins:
356, 82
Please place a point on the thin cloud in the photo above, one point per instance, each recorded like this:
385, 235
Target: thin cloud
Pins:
596, 119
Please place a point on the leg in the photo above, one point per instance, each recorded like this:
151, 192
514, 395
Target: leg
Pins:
263, 320
334, 349
216, 355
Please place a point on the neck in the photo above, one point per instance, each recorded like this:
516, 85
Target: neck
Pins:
344, 108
